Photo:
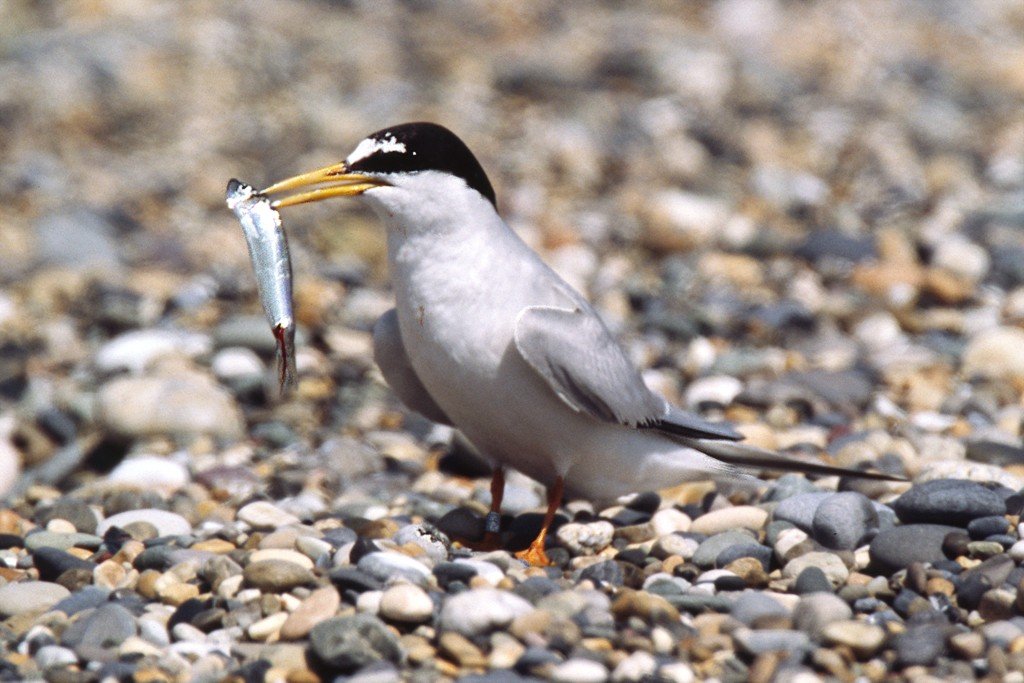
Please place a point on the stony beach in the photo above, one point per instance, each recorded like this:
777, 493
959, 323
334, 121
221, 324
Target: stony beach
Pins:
804, 218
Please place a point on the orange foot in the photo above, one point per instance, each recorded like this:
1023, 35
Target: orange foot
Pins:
535, 555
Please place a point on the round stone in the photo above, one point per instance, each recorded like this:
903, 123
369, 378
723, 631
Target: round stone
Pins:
814, 611
844, 520
586, 539
834, 569
406, 603
262, 514
708, 551
481, 610
862, 638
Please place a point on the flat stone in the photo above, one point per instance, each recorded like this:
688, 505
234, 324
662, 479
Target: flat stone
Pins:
106, 626
862, 638
753, 605
815, 611
319, 606
948, 501
23, 597
277, 576
282, 555
578, 670
727, 519
896, 548
755, 643
832, 566
262, 514
708, 551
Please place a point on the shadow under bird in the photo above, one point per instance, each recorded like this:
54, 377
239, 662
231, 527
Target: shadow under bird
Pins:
485, 337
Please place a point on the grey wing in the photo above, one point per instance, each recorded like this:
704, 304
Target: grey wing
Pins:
389, 354
577, 356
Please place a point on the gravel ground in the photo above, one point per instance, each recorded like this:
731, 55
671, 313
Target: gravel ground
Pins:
804, 217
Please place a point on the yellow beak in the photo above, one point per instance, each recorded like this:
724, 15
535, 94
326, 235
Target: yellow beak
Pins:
334, 181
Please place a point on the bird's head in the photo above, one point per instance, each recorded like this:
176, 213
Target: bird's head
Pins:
405, 170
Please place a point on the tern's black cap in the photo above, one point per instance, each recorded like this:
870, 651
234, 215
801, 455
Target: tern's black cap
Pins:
422, 146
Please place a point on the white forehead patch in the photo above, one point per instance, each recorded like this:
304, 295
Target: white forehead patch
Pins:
370, 146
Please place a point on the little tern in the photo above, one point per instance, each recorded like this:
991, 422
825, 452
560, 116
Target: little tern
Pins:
485, 337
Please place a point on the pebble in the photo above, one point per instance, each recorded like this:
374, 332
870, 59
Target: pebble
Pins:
755, 643
154, 406
30, 596
166, 523
731, 518
347, 644
896, 548
955, 502
106, 626
481, 610
264, 515
406, 603
816, 610
320, 605
995, 354
281, 555
586, 539
387, 566
150, 472
708, 551
844, 521
276, 575
578, 670
833, 568
55, 657
754, 605
135, 350
862, 638
919, 645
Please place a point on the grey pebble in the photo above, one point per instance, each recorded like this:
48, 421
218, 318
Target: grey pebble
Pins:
481, 610
758, 642
85, 598
107, 626
30, 596
948, 501
709, 550
350, 643
816, 610
920, 645
753, 605
896, 548
812, 580
49, 539
844, 520
385, 566
72, 510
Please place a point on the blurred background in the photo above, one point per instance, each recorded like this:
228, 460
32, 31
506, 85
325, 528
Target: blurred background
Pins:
741, 185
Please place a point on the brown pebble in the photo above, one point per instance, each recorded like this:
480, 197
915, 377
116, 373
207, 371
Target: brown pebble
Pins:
939, 585
968, 645
319, 606
276, 575
458, 647
218, 546
750, 570
649, 607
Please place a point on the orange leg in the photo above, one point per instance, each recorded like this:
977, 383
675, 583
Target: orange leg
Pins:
535, 554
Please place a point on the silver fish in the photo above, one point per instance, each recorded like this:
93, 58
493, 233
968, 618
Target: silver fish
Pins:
268, 250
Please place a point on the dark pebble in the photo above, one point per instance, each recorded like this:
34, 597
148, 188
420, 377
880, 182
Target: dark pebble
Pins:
907, 603
633, 556
187, 611
730, 583
983, 527
535, 588
361, 548
8, 541
607, 573
158, 557
350, 578
347, 644
696, 603
630, 517
51, 563
948, 501
449, 572
73, 510
996, 569
955, 544
462, 524
969, 590
339, 536
895, 548
995, 453
76, 579
648, 502
533, 658
812, 580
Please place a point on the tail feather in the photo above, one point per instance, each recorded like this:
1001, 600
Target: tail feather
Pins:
744, 455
